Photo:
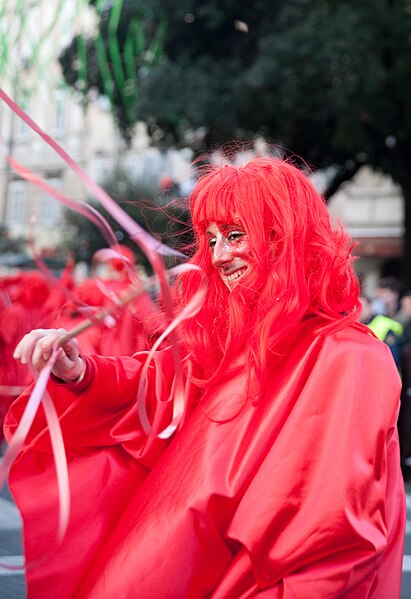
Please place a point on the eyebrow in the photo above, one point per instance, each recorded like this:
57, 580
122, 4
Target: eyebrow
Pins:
226, 227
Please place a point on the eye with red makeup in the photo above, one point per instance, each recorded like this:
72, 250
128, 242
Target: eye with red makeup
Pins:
233, 237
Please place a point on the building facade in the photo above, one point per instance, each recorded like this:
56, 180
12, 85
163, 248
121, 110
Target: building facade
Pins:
31, 76
371, 207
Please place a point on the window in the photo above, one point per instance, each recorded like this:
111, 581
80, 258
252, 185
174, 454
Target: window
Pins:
50, 210
59, 123
17, 203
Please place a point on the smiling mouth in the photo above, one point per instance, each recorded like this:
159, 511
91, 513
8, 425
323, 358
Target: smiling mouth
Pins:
235, 275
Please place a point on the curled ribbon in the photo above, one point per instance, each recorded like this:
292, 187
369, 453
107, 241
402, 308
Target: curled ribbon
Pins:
154, 250
137, 233
178, 390
149, 244
37, 396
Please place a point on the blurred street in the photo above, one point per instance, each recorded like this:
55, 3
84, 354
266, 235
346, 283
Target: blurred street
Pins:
12, 583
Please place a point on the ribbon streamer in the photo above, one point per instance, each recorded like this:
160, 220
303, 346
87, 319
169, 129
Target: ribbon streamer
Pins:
149, 244
177, 394
19, 438
137, 233
154, 250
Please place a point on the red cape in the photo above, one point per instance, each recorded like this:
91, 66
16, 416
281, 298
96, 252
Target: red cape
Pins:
299, 495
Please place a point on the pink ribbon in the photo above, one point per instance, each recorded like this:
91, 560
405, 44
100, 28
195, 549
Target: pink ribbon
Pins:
137, 233
154, 250
37, 396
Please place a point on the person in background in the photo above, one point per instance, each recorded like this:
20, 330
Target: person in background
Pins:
387, 297
131, 327
404, 418
283, 478
385, 328
27, 300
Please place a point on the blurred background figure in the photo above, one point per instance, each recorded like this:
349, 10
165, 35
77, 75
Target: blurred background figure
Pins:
386, 300
385, 328
27, 299
130, 328
404, 418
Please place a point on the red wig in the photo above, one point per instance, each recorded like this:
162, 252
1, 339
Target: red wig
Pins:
303, 267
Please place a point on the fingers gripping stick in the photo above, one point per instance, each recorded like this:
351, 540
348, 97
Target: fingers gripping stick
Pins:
38, 346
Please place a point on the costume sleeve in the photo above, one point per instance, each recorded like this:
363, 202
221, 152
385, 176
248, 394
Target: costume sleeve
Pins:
101, 429
101, 411
327, 500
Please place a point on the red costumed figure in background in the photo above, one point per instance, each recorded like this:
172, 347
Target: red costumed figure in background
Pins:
27, 300
134, 327
283, 480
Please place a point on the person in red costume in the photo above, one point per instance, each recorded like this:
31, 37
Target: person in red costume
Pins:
27, 300
283, 480
128, 333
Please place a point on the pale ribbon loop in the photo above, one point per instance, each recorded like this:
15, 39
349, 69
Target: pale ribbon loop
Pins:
38, 395
153, 248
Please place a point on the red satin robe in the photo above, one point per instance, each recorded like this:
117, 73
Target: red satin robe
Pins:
295, 493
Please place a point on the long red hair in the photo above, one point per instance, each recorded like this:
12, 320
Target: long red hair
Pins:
303, 265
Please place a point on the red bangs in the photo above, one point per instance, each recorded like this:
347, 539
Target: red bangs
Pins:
215, 198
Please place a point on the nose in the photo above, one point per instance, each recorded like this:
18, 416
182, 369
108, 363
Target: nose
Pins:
222, 253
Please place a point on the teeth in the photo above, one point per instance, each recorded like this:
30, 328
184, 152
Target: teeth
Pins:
236, 274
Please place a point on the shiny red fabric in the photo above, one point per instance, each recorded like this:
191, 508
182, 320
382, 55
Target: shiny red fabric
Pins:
293, 492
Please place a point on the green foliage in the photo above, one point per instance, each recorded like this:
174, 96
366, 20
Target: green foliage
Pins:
331, 81
328, 80
109, 63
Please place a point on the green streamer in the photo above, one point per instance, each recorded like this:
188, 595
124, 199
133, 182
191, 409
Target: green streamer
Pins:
104, 69
118, 61
82, 56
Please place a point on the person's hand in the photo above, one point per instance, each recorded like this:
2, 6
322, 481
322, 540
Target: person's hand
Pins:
37, 346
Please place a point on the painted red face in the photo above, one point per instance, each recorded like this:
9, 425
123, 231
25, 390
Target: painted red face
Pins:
230, 251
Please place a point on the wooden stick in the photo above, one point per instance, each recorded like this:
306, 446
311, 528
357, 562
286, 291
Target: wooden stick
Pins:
124, 299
